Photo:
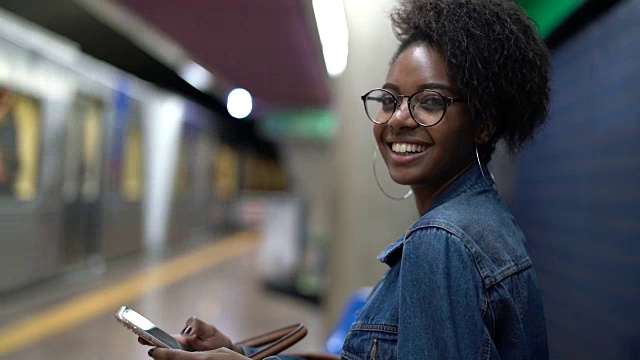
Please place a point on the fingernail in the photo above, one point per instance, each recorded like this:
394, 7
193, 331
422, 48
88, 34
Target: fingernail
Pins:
150, 352
186, 330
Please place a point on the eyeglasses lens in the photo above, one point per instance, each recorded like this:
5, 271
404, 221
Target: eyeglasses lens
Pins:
380, 106
427, 107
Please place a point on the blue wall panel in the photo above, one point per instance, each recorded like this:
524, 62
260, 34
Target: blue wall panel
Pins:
577, 192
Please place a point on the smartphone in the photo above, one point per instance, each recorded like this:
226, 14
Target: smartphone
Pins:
147, 330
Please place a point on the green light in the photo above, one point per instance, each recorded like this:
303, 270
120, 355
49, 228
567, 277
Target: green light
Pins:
312, 124
549, 14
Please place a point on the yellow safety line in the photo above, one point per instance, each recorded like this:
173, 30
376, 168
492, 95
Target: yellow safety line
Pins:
95, 303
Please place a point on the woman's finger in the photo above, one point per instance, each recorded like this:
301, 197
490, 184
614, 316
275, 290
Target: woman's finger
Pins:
199, 328
168, 354
144, 342
181, 339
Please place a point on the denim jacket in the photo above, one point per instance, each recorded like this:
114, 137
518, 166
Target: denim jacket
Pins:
460, 285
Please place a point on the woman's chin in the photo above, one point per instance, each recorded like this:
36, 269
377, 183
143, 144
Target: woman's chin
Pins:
402, 180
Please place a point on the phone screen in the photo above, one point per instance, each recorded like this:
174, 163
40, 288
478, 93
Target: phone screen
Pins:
146, 325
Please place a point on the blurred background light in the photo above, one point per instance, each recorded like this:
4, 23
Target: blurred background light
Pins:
334, 34
172, 110
199, 77
549, 14
239, 103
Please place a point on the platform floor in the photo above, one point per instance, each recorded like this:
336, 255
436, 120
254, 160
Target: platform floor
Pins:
72, 317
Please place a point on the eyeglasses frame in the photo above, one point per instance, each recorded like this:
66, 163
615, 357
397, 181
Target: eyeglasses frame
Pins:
398, 102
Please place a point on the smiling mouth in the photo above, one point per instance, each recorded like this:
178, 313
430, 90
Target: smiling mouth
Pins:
407, 149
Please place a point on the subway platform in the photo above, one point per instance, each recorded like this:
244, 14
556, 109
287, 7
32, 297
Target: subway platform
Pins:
72, 317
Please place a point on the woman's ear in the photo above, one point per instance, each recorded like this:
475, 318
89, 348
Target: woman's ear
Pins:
485, 132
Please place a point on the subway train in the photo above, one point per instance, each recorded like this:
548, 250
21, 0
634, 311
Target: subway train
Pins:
96, 164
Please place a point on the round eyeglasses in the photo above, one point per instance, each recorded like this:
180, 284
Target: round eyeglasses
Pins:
427, 107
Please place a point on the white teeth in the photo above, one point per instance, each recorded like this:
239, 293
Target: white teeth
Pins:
407, 148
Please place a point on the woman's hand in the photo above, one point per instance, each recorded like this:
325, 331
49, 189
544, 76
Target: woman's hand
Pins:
218, 354
201, 336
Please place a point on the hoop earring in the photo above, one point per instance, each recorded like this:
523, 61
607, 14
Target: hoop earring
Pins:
480, 164
375, 175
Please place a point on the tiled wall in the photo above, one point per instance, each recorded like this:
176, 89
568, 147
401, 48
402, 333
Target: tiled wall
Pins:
577, 192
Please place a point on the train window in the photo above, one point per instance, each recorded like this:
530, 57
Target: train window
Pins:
126, 150
226, 165
20, 122
132, 178
83, 149
263, 173
92, 144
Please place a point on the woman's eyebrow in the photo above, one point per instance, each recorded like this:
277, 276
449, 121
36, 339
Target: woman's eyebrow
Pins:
435, 86
431, 86
391, 86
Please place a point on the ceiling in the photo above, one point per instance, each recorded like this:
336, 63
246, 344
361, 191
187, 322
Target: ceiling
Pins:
271, 48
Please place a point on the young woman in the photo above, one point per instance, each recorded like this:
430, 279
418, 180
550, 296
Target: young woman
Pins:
460, 284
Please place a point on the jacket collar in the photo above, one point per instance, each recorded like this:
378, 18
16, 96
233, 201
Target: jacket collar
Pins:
385, 255
469, 180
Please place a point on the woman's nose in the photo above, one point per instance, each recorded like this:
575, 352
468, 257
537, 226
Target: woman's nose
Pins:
402, 116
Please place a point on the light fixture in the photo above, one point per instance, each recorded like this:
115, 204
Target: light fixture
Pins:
199, 77
334, 34
239, 103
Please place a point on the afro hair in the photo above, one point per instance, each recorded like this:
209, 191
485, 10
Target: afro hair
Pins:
494, 57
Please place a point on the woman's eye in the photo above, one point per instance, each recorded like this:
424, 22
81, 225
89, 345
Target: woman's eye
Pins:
388, 102
432, 102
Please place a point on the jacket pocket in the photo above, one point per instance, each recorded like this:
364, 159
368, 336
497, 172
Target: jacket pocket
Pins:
371, 342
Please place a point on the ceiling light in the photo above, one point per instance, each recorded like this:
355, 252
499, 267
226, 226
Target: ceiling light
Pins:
334, 34
199, 77
239, 103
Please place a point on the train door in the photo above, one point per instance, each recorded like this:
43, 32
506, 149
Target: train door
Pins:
121, 221
180, 219
202, 205
26, 249
181, 212
192, 191
82, 181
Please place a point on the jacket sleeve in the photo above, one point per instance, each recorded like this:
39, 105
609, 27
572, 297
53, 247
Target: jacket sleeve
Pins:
441, 299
